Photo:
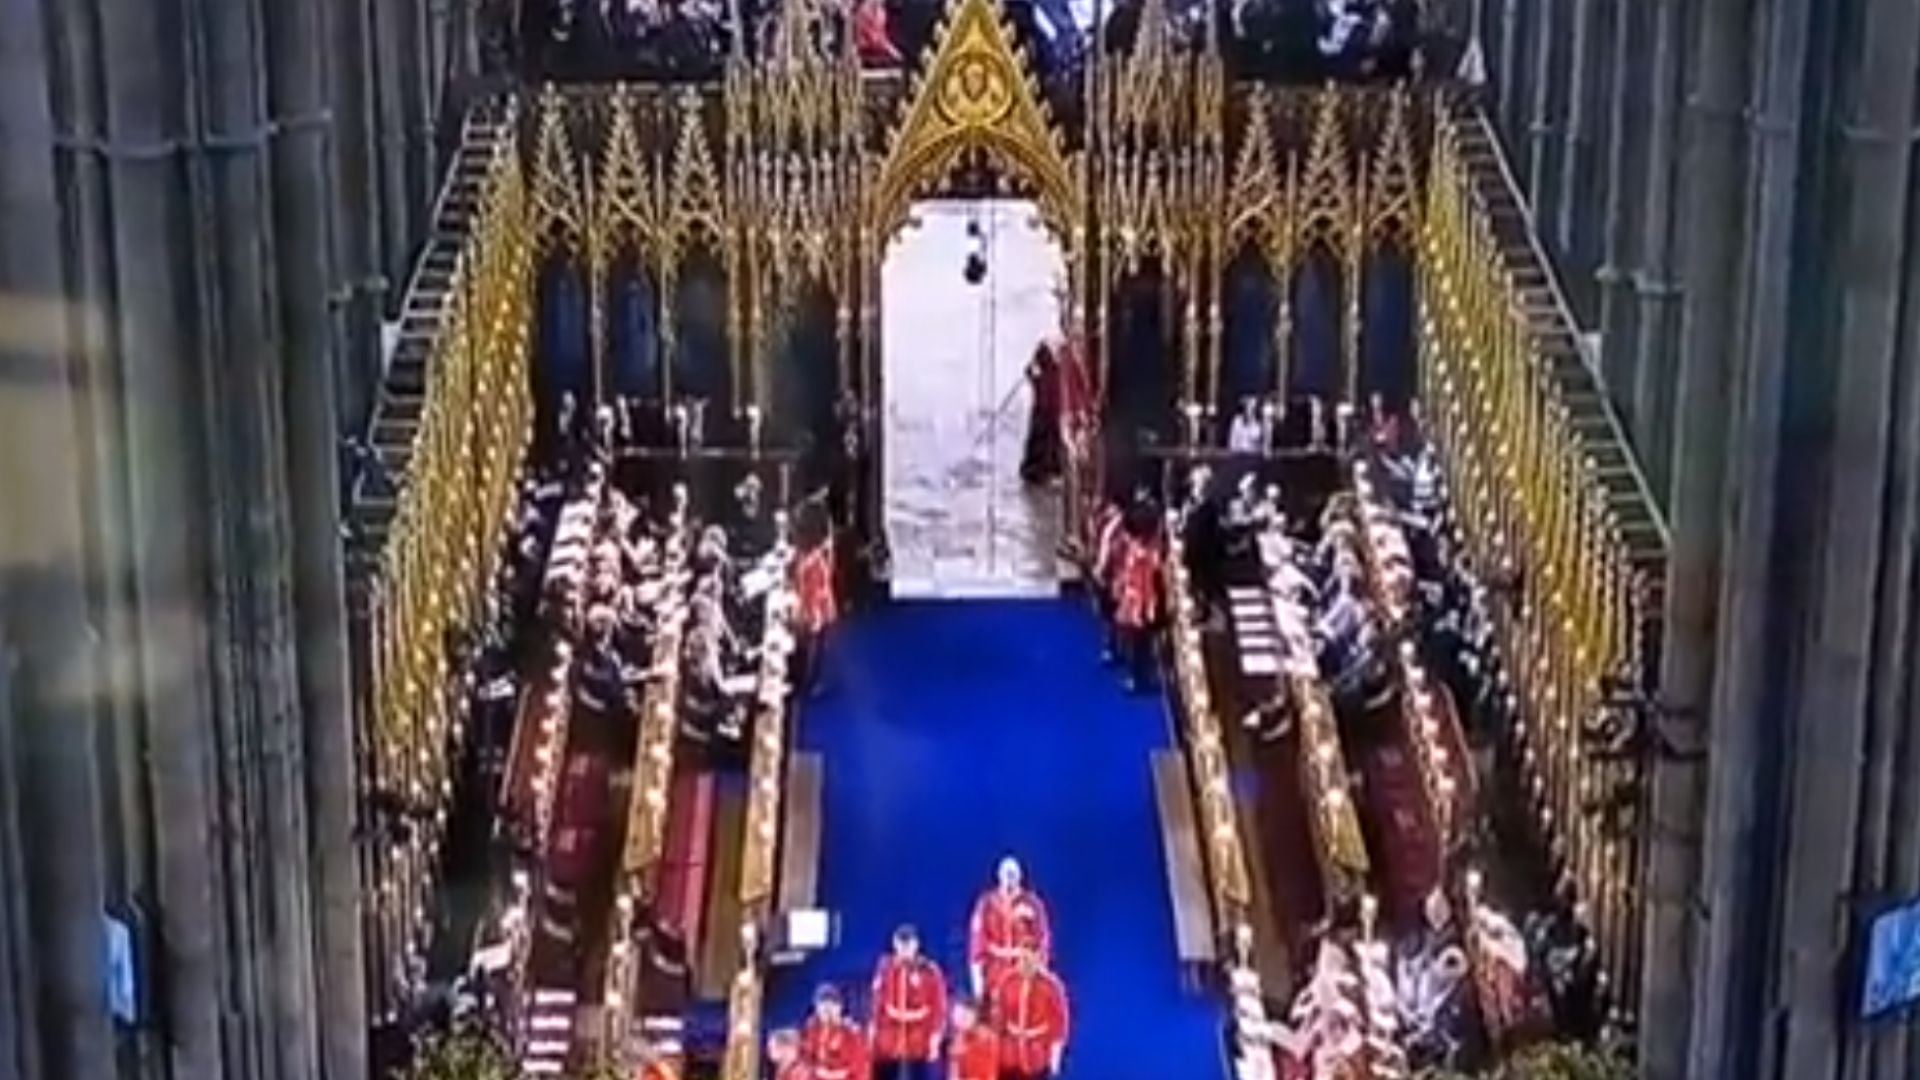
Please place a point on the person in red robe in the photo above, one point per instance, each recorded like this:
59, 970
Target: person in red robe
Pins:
1009, 919
909, 1008
815, 585
973, 1053
833, 1046
1040, 461
1109, 529
871, 35
783, 1053
659, 1062
1029, 1006
1136, 602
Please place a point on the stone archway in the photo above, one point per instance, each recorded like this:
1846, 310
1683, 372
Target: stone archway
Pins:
957, 514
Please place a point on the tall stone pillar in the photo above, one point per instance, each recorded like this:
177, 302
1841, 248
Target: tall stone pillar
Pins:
1656, 280
1858, 584
1546, 97
307, 215
1623, 198
1713, 184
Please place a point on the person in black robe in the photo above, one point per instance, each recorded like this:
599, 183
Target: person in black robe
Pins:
1040, 464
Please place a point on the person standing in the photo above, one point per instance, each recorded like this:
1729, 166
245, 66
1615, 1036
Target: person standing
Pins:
833, 1047
1108, 531
1136, 603
783, 1053
819, 605
909, 1007
1040, 462
1029, 1005
973, 1052
1008, 920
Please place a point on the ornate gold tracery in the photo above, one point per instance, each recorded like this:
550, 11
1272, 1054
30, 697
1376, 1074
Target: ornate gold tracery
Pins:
976, 97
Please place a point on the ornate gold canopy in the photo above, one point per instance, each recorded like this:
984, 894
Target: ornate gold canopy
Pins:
976, 97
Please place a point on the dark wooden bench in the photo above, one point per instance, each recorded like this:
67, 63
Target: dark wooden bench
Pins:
683, 868
719, 955
1194, 939
800, 834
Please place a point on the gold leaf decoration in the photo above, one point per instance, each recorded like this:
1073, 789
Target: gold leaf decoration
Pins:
558, 201
976, 97
1326, 187
697, 212
1393, 186
629, 187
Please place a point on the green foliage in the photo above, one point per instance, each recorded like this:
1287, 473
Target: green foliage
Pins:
1550, 1061
474, 1055
462, 1056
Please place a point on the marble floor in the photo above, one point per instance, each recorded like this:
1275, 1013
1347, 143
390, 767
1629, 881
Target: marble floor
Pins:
959, 521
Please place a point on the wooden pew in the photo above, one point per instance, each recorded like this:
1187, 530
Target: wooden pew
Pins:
1193, 932
683, 870
719, 955
800, 834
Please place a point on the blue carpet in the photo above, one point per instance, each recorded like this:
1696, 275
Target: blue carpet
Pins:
956, 732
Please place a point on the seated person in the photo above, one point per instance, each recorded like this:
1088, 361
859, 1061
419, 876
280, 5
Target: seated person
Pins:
1246, 434
715, 696
601, 687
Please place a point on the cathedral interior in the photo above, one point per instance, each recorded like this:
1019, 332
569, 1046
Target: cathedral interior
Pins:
1300, 539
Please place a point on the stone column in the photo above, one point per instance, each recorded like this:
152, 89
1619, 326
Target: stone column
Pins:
359, 283
1625, 192
1573, 180
1546, 95
1894, 757
1656, 280
19, 1016
1752, 717
1513, 66
1836, 795
319, 761
1713, 186
401, 222
152, 429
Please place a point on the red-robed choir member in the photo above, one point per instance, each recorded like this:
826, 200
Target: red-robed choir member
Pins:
1029, 1005
1136, 603
1008, 919
1109, 528
833, 1046
871, 37
973, 1053
819, 607
1110, 531
783, 1053
657, 1069
909, 1009
656, 1064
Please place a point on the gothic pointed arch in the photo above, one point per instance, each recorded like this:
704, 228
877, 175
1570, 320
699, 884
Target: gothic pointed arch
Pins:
976, 97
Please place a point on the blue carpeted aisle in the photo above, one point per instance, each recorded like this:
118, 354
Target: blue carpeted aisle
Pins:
954, 732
